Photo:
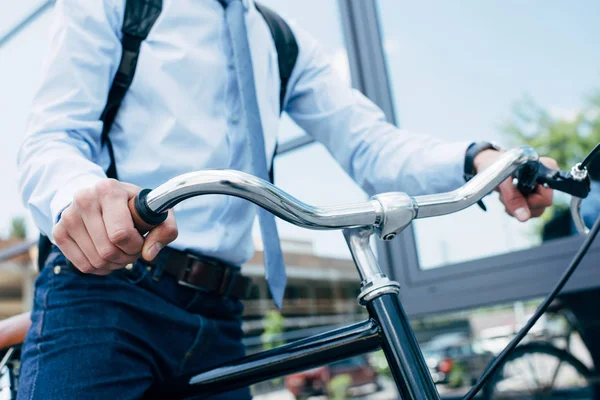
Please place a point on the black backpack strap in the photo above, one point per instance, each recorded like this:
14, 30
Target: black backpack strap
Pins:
287, 54
285, 44
140, 16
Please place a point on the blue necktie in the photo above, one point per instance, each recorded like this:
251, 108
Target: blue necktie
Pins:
275, 268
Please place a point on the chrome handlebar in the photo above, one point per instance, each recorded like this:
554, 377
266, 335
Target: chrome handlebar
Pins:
387, 213
265, 195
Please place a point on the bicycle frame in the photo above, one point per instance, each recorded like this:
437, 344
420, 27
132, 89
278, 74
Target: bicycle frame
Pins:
387, 328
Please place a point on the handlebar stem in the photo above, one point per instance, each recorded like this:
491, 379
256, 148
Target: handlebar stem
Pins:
398, 210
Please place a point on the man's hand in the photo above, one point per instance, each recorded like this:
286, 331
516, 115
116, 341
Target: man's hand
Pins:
96, 232
517, 205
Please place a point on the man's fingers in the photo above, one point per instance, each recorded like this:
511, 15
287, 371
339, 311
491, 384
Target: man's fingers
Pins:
104, 247
159, 237
69, 248
536, 212
514, 201
132, 190
73, 252
549, 162
541, 197
116, 217
73, 223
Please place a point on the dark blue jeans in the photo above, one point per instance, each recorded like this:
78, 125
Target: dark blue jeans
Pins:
112, 337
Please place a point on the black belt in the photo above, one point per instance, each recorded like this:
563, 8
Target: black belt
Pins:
204, 273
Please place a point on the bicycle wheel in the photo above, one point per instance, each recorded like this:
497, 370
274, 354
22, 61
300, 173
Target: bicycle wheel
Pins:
541, 371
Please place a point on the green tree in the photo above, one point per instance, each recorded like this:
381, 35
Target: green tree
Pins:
274, 326
566, 138
18, 229
338, 387
273, 323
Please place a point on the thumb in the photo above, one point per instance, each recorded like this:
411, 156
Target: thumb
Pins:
514, 201
159, 237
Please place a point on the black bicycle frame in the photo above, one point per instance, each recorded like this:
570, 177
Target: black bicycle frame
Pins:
388, 328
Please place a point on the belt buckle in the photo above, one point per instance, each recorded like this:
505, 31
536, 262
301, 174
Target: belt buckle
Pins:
183, 276
227, 281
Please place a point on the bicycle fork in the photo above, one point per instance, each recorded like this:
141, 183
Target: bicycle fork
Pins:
380, 295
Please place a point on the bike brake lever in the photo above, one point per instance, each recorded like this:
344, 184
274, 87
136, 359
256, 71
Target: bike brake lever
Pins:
564, 181
527, 177
536, 173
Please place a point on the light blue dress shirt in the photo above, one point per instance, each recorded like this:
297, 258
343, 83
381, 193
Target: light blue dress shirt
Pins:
182, 114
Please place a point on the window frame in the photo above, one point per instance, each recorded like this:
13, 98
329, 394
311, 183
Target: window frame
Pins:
463, 285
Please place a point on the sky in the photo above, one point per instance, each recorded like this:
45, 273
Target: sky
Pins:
456, 68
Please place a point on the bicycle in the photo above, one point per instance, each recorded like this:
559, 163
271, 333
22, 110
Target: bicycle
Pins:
545, 365
384, 215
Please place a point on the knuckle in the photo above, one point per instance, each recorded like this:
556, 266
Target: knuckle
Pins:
109, 187
108, 252
121, 235
84, 199
98, 262
68, 220
59, 233
549, 162
171, 232
85, 268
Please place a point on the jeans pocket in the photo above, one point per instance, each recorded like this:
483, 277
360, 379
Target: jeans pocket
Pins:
133, 273
43, 284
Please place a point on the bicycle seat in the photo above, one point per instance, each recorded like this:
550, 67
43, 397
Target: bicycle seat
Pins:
13, 330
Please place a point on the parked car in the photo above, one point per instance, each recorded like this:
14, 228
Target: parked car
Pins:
316, 381
454, 359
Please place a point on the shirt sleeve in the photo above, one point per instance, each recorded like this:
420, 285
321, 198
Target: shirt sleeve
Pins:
377, 155
59, 155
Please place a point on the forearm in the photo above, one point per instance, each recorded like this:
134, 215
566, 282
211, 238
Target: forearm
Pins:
377, 155
53, 166
63, 136
383, 158
14, 329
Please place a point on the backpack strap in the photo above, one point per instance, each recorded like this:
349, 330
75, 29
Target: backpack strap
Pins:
286, 46
287, 54
140, 16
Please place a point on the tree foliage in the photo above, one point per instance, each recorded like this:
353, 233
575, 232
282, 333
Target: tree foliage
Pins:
566, 137
274, 327
18, 228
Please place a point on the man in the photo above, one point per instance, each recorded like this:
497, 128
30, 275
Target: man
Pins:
109, 325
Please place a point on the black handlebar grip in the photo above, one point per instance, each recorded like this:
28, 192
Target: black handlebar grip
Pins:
527, 177
144, 219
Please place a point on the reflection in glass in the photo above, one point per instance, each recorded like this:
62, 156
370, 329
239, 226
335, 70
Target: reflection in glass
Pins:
501, 71
552, 361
